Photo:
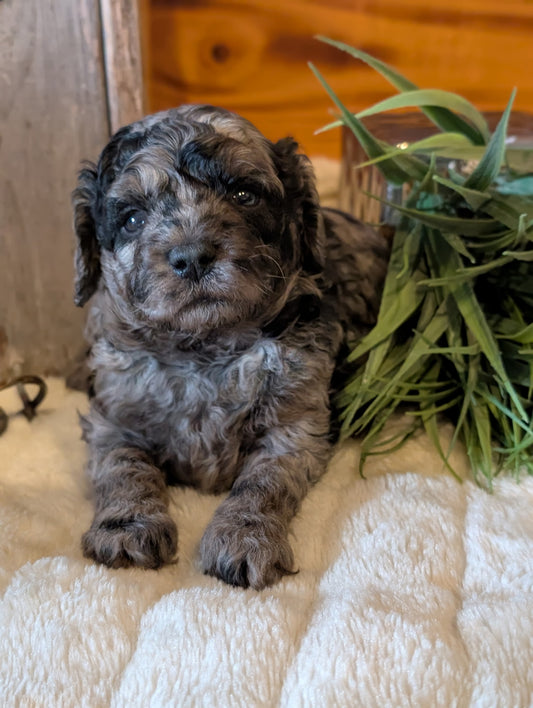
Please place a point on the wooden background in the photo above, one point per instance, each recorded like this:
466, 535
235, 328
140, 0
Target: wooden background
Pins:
251, 56
70, 73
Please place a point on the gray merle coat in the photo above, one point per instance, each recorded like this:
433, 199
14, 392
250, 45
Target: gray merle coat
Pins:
221, 297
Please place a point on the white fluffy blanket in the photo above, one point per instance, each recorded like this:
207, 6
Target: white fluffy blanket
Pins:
413, 590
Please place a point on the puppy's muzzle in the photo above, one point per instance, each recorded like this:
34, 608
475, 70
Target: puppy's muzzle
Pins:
193, 260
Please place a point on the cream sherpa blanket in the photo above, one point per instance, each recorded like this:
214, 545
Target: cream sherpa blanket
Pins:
413, 590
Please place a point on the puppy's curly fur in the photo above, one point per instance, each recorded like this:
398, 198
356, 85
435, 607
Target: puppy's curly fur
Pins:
222, 296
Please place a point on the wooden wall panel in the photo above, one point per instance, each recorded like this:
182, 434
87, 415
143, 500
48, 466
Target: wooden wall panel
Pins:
123, 60
54, 113
252, 56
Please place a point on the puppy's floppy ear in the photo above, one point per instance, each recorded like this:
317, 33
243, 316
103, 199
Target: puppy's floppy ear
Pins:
87, 258
296, 173
93, 183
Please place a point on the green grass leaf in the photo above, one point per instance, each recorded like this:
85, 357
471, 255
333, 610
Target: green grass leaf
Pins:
437, 144
449, 224
398, 169
424, 98
474, 318
454, 335
445, 119
401, 297
490, 164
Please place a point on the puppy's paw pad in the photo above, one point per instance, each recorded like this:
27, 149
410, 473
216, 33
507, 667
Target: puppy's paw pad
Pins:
245, 556
142, 540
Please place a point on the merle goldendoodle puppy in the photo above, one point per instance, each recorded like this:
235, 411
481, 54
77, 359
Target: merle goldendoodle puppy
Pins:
222, 295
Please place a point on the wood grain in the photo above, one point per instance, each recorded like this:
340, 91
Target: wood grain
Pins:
123, 61
52, 115
252, 56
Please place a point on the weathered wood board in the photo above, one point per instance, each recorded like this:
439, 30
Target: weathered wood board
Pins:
54, 113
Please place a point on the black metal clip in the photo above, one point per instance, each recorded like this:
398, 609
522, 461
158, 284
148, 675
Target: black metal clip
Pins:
29, 405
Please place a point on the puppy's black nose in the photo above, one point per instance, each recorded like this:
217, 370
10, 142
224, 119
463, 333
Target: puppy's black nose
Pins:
192, 260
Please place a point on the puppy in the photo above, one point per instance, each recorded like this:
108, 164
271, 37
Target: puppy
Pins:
222, 297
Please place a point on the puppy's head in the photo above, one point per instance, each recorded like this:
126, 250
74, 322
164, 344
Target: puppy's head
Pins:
193, 220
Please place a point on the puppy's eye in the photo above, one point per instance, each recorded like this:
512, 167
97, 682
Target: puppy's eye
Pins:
244, 197
135, 222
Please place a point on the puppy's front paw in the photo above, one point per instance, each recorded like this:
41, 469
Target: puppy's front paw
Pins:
147, 541
248, 551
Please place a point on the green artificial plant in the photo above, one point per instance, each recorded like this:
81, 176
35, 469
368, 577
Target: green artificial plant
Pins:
454, 334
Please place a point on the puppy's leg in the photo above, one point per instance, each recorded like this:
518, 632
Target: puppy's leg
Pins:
246, 542
131, 524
